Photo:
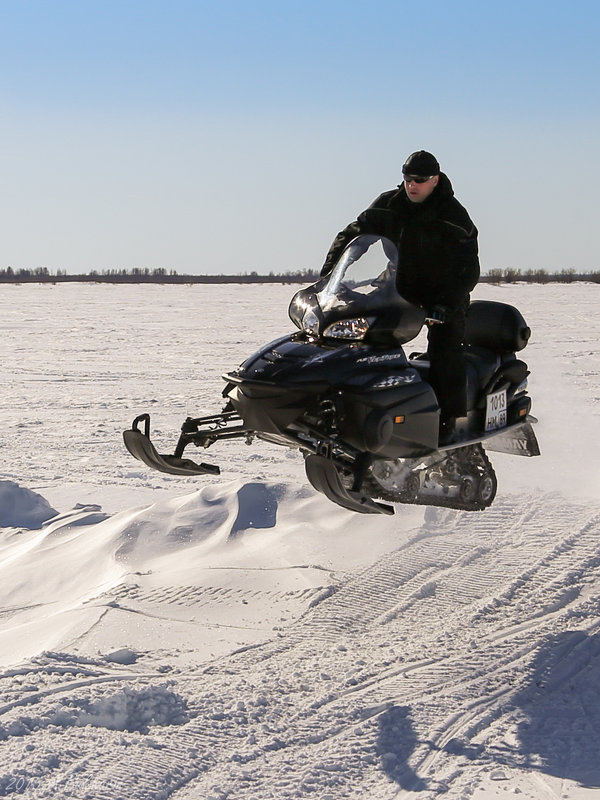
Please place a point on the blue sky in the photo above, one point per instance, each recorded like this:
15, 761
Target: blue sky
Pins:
235, 136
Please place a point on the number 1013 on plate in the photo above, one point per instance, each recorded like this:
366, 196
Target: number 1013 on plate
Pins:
495, 412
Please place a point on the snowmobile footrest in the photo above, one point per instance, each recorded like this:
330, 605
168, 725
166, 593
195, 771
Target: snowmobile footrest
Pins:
140, 447
324, 477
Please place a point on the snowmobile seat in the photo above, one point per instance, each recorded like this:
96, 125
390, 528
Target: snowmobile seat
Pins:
481, 366
494, 332
485, 375
496, 326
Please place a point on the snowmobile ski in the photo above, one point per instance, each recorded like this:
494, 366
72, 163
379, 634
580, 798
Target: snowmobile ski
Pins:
141, 447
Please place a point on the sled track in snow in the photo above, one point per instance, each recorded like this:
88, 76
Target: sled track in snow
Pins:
407, 675
188, 596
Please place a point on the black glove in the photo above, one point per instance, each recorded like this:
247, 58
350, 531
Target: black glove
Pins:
438, 315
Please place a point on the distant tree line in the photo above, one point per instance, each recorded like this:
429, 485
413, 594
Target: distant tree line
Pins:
539, 276
161, 275
141, 275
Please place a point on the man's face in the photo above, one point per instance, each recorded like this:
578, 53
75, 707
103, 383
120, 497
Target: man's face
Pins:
417, 192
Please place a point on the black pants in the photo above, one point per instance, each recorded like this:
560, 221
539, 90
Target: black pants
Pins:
448, 375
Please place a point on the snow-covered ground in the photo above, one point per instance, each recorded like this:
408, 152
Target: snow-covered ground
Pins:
243, 638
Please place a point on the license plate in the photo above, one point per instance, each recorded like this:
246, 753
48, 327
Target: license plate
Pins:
495, 412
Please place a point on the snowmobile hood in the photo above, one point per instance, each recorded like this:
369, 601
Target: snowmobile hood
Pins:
295, 360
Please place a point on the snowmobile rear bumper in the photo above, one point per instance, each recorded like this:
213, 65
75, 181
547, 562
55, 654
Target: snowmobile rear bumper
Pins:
141, 447
516, 440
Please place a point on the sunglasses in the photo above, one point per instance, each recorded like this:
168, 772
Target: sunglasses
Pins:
416, 178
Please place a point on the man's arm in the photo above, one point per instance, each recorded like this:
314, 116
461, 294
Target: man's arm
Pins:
339, 243
376, 219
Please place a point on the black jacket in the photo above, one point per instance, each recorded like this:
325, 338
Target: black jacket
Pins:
436, 240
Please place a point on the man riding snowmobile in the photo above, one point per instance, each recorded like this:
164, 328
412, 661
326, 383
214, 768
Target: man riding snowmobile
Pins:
438, 266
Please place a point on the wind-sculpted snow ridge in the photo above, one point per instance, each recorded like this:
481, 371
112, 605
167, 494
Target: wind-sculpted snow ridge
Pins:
222, 556
462, 660
22, 508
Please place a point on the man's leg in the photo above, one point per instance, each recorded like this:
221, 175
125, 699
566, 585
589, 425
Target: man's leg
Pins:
448, 372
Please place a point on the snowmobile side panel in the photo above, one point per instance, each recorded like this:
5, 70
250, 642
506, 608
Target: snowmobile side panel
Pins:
140, 447
397, 422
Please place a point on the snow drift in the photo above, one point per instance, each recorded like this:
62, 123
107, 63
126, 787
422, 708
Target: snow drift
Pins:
22, 508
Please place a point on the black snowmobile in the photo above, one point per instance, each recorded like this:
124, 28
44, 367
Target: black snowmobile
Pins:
343, 391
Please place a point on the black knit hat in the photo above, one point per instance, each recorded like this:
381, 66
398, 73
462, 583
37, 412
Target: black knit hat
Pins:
421, 163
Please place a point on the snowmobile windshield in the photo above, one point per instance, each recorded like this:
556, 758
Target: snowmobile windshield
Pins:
366, 268
358, 300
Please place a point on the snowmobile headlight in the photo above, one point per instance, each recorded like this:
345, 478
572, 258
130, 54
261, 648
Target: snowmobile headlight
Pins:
348, 328
310, 323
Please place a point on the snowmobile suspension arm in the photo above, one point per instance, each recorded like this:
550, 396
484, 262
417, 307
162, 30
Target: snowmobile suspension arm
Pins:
204, 431
191, 433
